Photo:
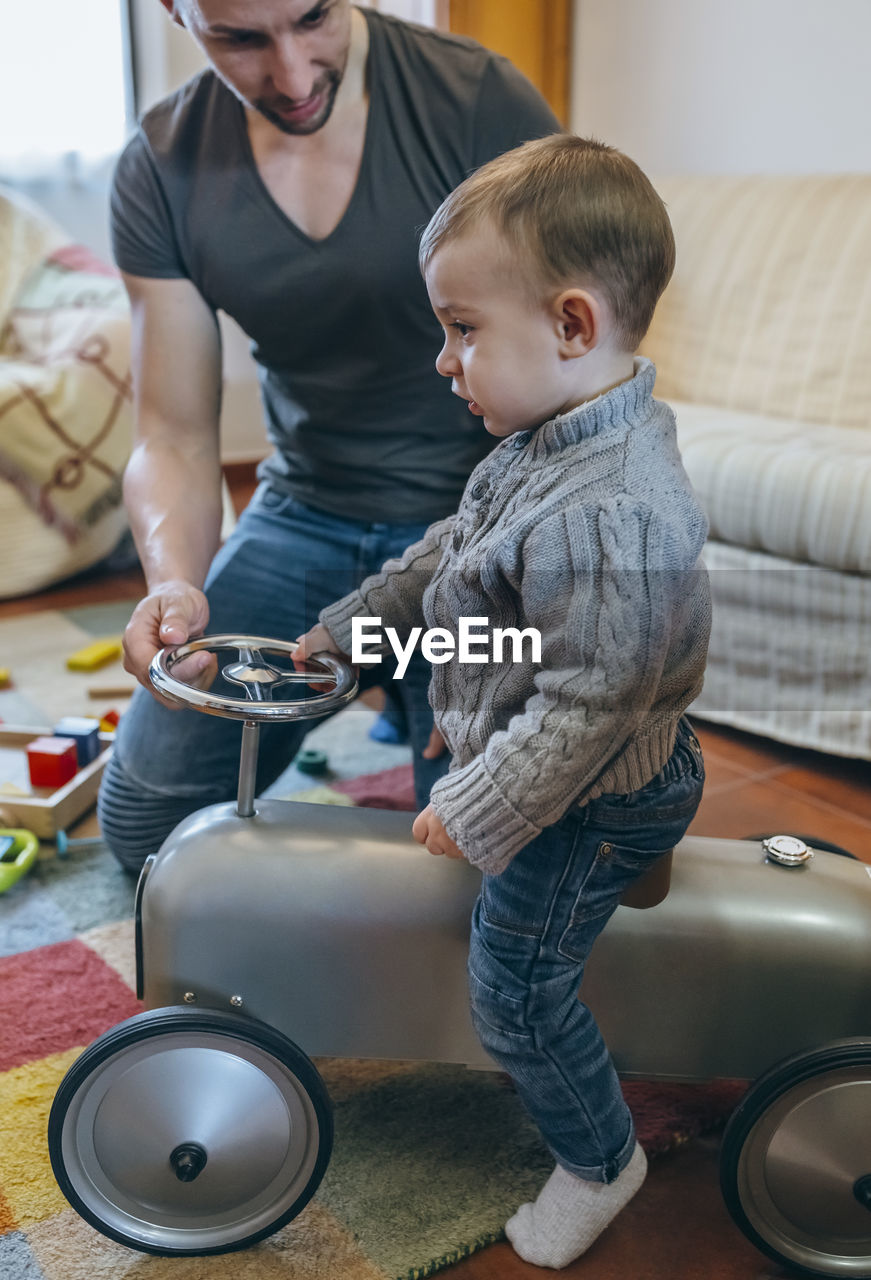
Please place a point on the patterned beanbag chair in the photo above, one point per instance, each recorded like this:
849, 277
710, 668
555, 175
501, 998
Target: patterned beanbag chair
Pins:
65, 402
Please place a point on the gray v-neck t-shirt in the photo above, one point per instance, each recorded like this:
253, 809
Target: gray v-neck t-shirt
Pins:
341, 328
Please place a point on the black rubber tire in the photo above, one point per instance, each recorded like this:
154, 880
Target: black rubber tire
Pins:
766, 1092
186, 1022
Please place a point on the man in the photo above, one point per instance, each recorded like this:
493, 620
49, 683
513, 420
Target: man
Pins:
286, 185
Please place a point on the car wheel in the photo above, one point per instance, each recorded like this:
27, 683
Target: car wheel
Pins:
796, 1161
190, 1132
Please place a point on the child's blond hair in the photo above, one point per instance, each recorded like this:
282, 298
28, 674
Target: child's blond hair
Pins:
574, 211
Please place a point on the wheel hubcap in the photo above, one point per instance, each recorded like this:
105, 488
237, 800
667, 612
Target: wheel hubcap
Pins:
190, 1141
803, 1173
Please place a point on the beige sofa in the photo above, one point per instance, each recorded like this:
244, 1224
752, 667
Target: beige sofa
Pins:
763, 346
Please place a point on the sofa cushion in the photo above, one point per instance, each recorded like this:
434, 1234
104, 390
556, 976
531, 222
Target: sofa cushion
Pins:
36, 555
793, 489
27, 237
769, 309
65, 395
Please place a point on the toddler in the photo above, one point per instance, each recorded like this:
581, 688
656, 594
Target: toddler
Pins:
570, 775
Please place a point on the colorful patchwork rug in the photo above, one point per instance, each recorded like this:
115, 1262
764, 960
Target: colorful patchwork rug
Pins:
428, 1161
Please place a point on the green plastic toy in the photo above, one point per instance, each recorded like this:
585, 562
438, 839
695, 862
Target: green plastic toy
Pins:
18, 850
309, 760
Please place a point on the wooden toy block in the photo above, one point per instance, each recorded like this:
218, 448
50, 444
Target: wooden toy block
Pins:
111, 690
85, 732
40, 811
5, 677
52, 761
94, 655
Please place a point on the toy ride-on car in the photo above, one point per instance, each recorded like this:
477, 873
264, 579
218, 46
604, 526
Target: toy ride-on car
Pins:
268, 933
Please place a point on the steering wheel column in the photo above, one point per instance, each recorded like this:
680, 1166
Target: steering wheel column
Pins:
259, 679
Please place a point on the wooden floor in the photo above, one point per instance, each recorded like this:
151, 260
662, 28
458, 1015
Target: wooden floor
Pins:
677, 1225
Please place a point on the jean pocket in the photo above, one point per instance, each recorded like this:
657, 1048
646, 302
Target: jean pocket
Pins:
273, 501
612, 871
519, 901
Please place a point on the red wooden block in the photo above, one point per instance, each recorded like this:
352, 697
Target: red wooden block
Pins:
52, 761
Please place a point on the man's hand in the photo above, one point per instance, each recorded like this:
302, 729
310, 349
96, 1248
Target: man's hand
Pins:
169, 615
429, 830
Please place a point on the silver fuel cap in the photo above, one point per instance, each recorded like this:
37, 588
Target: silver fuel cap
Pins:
789, 851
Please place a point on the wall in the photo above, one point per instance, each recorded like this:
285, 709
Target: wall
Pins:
709, 86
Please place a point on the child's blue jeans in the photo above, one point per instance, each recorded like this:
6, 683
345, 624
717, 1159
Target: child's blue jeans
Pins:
532, 931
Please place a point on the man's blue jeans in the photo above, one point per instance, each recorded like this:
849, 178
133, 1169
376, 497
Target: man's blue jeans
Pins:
283, 563
532, 931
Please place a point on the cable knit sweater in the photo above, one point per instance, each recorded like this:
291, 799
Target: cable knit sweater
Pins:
587, 529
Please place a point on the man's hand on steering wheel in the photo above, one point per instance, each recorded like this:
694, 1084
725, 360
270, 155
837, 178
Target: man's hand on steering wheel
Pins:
171, 613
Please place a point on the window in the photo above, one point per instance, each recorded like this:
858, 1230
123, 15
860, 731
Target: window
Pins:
63, 81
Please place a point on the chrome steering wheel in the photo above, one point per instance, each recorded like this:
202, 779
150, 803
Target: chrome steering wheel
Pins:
258, 678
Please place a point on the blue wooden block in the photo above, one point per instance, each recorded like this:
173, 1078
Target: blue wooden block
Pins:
86, 733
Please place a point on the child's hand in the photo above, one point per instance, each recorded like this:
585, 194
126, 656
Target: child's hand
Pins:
318, 640
429, 830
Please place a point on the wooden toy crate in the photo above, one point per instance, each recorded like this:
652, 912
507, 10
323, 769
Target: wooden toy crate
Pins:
42, 811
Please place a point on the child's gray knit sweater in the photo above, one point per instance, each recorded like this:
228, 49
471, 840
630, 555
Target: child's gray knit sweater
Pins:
588, 530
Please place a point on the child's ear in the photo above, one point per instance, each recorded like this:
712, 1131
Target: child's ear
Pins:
579, 318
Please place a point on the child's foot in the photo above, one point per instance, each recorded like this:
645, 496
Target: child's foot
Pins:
570, 1213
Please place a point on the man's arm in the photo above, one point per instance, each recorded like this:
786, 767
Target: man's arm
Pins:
172, 485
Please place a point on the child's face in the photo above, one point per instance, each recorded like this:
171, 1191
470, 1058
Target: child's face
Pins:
501, 349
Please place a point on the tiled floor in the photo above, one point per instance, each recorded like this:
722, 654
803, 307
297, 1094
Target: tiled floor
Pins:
755, 786
677, 1226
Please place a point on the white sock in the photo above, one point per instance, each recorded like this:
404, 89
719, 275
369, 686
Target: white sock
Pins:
570, 1213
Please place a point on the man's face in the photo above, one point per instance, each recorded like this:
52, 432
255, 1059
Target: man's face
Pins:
284, 58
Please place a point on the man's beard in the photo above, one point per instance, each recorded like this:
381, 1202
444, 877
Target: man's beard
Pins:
330, 82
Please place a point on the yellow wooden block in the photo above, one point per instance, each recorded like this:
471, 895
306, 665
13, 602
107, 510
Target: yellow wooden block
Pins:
5, 677
12, 789
95, 655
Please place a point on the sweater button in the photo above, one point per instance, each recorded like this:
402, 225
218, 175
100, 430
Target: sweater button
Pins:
478, 490
457, 539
